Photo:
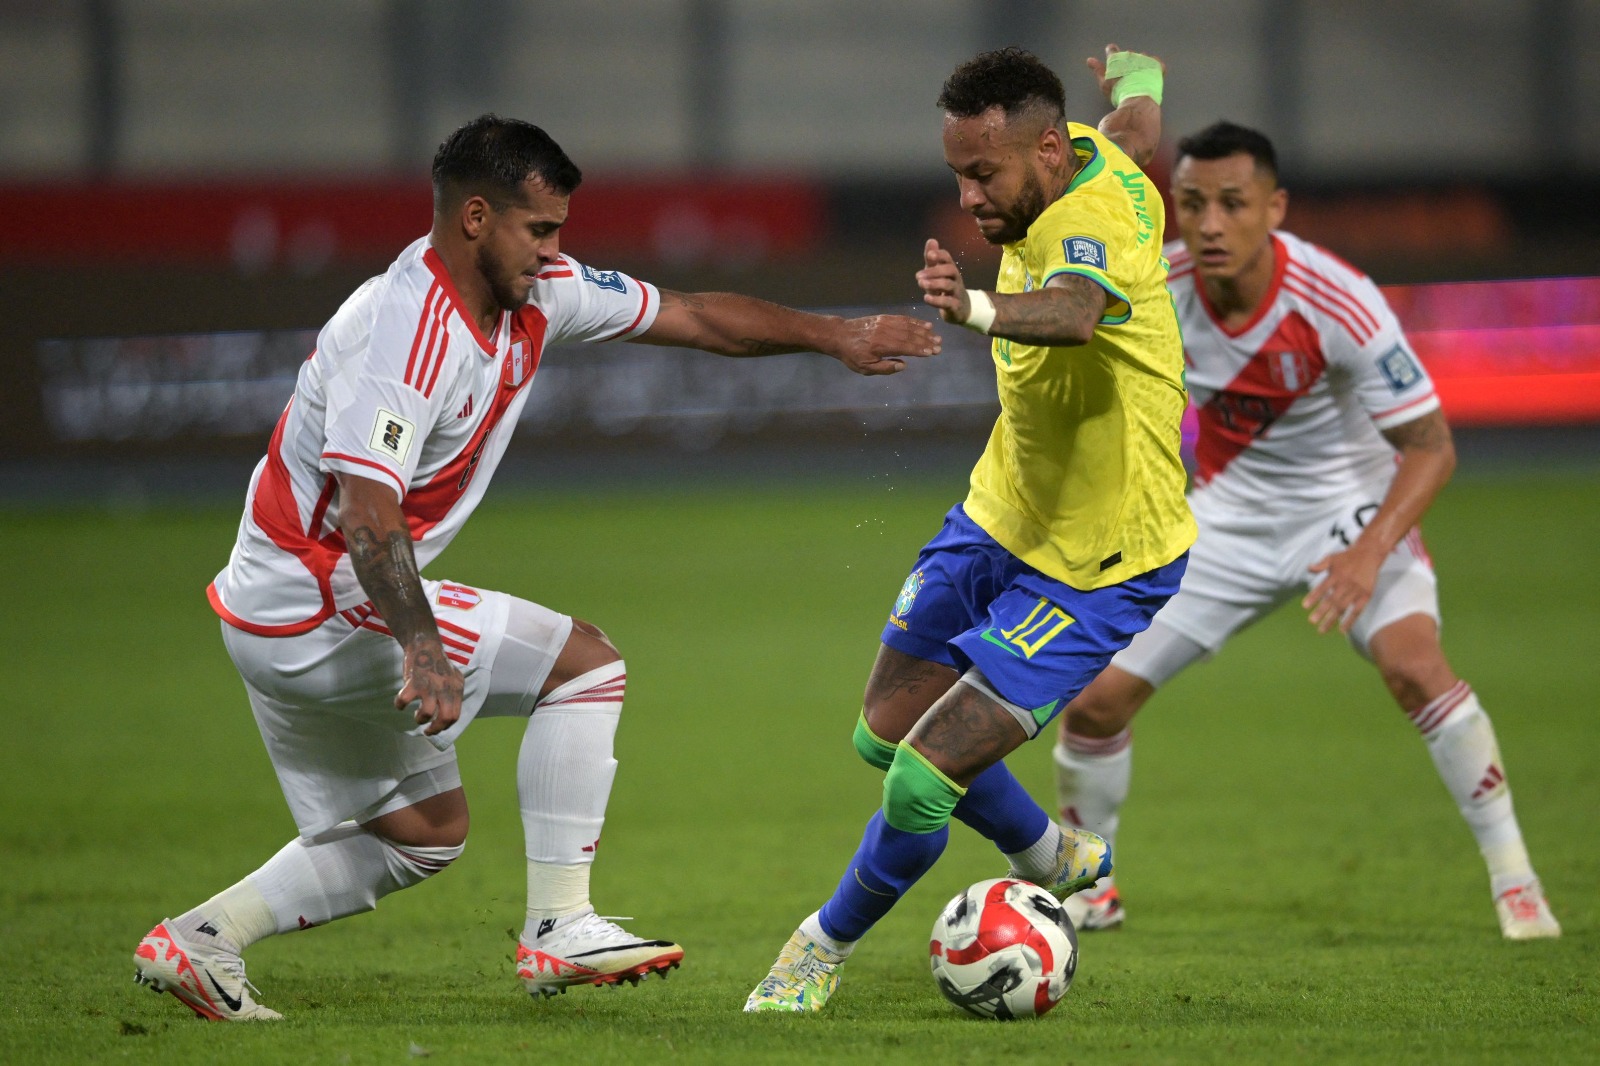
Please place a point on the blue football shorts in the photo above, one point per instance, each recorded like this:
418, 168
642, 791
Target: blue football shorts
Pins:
970, 603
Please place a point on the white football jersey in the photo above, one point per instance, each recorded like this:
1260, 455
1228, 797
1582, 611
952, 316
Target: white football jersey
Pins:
403, 388
1291, 403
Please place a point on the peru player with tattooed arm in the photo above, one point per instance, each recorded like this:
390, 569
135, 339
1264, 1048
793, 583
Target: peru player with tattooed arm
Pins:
1308, 395
1074, 531
361, 673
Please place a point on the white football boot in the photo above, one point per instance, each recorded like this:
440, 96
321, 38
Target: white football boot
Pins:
208, 981
591, 950
1094, 909
1524, 914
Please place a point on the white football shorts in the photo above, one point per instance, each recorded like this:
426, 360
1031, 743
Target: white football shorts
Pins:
324, 700
1247, 562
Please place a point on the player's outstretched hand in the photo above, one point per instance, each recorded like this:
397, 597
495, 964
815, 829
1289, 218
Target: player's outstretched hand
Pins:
880, 344
941, 284
1098, 68
433, 684
1342, 595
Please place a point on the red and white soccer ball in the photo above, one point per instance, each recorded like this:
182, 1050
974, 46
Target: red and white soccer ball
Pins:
1004, 949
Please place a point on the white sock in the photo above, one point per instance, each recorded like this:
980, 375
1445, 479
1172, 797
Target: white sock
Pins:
233, 919
1092, 778
557, 893
345, 873
1039, 860
839, 949
1462, 743
564, 775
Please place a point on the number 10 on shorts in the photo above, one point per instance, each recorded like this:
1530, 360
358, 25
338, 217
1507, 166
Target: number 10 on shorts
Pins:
1038, 629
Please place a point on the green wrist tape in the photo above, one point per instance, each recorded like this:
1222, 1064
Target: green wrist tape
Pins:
1135, 74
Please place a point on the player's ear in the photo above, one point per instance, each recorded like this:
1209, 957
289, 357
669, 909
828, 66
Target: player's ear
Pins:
1277, 206
1050, 146
476, 217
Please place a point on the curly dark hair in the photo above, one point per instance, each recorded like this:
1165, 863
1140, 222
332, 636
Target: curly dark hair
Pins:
1222, 139
492, 156
1012, 79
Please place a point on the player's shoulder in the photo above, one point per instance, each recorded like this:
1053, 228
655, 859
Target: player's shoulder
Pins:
1327, 288
566, 274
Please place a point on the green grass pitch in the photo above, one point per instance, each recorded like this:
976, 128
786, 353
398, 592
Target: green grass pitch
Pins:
1299, 884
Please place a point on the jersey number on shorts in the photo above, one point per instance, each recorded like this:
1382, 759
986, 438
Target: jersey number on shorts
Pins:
1042, 625
1360, 516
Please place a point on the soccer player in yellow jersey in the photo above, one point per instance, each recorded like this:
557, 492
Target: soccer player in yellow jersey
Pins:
1075, 530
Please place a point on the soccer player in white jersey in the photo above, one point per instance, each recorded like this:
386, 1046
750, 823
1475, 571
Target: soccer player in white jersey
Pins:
1308, 394
360, 672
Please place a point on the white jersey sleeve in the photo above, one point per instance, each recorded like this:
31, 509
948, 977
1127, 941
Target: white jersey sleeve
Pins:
585, 304
385, 399
1386, 376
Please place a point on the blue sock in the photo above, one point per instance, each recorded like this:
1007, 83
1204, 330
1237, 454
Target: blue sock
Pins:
888, 863
997, 806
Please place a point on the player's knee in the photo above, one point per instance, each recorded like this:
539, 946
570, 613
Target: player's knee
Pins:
1104, 709
872, 748
917, 797
586, 651
410, 864
595, 633
1410, 682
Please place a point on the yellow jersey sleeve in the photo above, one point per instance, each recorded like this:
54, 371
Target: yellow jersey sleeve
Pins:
1085, 244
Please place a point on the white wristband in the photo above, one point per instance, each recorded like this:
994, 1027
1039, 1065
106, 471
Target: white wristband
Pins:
981, 317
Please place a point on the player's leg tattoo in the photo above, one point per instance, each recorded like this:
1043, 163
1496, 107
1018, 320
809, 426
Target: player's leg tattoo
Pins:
965, 733
900, 690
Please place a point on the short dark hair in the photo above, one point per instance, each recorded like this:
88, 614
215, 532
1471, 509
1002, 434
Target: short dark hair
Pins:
492, 156
1222, 139
1012, 79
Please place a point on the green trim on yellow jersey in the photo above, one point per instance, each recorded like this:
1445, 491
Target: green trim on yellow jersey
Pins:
1086, 172
1109, 318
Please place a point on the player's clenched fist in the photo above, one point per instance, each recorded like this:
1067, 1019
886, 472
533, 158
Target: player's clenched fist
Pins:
879, 344
434, 685
941, 284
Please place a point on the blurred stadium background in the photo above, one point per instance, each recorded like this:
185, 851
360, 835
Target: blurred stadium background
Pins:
188, 188
172, 170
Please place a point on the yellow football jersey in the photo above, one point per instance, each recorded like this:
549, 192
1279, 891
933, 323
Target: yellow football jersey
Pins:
1082, 478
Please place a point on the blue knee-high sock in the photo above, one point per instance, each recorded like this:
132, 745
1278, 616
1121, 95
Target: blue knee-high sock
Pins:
888, 862
999, 808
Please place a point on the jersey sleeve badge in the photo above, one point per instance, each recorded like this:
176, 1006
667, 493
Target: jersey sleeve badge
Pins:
1399, 368
392, 436
1084, 251
605, 279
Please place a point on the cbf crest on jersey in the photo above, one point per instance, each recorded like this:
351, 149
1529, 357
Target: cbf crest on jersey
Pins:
908, 593
1399, 368
519, 364
1084, 251
606, 279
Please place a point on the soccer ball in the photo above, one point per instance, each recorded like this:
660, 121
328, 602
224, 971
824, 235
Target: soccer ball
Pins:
1004, 949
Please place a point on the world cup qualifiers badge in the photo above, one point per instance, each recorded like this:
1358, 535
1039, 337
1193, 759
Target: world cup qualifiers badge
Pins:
908, 593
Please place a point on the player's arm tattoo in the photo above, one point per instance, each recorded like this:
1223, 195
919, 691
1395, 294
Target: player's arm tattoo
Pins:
966, 732
757, 346
1063, 313
386, 566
